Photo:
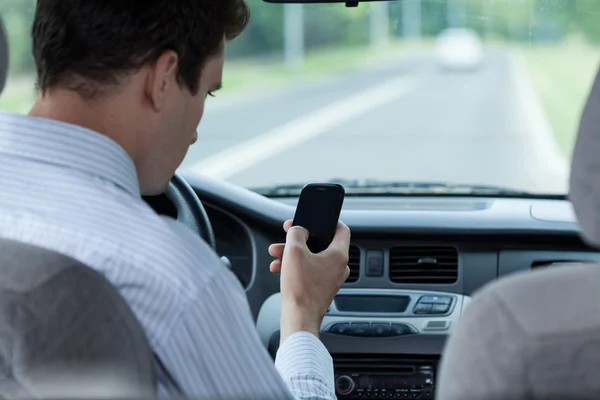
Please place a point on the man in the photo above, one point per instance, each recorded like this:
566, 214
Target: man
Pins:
122, 89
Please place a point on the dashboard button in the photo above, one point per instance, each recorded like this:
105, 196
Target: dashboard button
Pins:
439, 325
425, 299
360, 328
340, 329
435, 300
374, 263
344, 385
400, 329
380, 329
440, 308
422, 308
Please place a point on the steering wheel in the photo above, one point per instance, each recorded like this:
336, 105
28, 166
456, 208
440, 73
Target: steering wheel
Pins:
190, 210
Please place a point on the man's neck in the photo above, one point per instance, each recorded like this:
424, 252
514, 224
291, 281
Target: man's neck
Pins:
68, 107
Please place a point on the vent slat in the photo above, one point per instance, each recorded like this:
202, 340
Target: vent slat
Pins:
416, 259
353, 264
421, 253
425, 280
424, 265
437, 265
412, 272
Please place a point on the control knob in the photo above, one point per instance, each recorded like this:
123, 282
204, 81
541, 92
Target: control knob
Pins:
344, 385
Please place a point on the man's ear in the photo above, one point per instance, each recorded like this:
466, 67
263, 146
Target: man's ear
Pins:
162, 77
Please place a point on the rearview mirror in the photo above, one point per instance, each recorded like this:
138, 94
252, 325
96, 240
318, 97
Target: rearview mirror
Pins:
349, 3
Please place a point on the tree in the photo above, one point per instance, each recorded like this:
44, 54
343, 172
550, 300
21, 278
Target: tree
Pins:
17, 16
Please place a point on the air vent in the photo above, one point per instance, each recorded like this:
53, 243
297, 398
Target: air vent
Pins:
354, 264
424, 265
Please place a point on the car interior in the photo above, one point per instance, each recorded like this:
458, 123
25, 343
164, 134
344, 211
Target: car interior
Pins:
416, 261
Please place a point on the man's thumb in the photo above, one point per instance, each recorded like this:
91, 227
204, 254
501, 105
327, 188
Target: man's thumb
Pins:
297, 235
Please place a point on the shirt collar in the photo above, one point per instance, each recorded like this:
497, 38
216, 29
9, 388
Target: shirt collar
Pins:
70, 146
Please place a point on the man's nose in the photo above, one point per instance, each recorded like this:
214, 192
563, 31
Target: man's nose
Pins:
195, 137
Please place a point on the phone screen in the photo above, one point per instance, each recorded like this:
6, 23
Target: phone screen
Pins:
318, 211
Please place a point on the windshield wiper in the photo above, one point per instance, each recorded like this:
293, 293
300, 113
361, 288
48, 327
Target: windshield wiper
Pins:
374, 187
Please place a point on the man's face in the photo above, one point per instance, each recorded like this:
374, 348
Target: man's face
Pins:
174, 126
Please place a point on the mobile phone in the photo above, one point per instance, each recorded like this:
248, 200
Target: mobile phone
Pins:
318, 211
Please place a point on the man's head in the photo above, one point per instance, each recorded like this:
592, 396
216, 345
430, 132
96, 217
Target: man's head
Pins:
138, 71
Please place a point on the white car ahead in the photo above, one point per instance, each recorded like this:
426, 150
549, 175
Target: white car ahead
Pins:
459, 49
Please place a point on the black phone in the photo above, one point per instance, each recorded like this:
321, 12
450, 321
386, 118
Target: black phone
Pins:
318, 211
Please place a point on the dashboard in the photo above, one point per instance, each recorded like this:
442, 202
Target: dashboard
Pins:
415, 263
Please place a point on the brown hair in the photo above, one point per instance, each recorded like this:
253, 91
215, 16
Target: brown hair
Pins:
87, 44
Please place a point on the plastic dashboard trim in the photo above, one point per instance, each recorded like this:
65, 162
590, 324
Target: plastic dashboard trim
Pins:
502, 216
268, 324
422, 344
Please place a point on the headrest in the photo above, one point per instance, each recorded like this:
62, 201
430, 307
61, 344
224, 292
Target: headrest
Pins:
584, 190
3, 55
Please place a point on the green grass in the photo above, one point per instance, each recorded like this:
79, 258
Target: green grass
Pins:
248, 75
562, 77
18, 95
251, 75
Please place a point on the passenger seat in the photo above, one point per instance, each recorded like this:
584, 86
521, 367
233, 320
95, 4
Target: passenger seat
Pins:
536, 334
531, 335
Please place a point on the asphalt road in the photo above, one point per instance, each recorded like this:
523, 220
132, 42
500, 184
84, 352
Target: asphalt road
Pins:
408, 121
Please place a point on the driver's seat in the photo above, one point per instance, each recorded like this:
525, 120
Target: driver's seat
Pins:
66, 332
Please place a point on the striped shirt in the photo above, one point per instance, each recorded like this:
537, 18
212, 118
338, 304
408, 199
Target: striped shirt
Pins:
76, 191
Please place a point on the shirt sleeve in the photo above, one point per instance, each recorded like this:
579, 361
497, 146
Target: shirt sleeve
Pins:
214, 351
306, 367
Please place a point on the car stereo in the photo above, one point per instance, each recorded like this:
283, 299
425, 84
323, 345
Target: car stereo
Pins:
408, 382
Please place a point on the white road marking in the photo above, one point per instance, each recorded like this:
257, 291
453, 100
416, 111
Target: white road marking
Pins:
539, 130
224, 101
253, 151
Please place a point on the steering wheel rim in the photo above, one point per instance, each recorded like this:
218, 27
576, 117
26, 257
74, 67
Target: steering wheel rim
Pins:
190, 210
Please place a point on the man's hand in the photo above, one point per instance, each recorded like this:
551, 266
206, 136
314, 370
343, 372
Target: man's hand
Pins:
309, 282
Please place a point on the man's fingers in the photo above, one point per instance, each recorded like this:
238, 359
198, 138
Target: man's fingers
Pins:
296, 236
275, 267
341, 243
347, 272
287, 225
342, 236
276, 250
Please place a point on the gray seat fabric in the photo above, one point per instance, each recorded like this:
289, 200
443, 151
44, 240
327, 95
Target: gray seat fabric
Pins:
536, 334
65, 331
532, 335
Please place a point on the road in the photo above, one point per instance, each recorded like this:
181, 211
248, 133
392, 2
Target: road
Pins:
408, 121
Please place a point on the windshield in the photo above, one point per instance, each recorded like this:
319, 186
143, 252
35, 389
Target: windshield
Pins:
455, 92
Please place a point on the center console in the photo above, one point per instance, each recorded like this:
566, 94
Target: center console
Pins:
384, 343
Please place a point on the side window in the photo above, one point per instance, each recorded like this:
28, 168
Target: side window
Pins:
19, 92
